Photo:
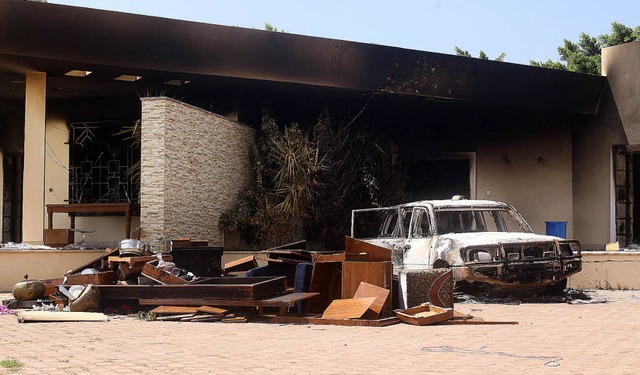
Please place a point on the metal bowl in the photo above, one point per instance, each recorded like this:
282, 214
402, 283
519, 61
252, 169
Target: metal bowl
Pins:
131, 247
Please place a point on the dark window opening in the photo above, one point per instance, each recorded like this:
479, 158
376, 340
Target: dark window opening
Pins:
439, 179
104, 162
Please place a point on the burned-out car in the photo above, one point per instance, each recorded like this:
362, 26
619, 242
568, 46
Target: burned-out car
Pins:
486, 243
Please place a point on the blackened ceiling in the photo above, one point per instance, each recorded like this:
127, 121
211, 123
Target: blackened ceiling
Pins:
253, 63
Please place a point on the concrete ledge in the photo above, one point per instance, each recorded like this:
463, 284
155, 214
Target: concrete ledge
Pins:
39, 264
608, 270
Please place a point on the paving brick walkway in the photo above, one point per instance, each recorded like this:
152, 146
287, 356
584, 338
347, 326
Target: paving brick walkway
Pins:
550, 339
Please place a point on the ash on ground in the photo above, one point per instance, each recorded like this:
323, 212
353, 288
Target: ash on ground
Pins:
571, 296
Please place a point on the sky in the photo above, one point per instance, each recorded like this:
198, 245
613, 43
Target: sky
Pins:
523, 29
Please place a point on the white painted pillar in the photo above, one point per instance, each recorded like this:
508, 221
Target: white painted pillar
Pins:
33, 209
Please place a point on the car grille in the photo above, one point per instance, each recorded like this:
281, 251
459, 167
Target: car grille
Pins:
518, 252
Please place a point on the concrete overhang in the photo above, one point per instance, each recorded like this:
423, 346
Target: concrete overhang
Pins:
56, 38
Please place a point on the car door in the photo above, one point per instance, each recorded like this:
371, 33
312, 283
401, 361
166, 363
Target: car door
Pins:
417, 246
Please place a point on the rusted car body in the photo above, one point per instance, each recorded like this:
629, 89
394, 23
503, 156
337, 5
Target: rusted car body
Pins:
484, 242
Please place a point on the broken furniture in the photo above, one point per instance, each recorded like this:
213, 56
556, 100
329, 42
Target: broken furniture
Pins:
424, 314
202, 261
367, 263
62, 237
260, 292
216, 288
418, 286
132, 266
282, 302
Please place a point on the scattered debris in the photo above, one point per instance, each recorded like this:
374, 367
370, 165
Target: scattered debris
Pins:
299, 286
4, 310
25, 316
424, 314
567, 296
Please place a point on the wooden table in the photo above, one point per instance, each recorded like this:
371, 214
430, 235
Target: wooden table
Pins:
127, 209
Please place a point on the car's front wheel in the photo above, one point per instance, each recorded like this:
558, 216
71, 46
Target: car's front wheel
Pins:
557, 288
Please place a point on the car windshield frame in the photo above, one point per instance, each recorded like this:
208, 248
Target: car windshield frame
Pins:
478, 220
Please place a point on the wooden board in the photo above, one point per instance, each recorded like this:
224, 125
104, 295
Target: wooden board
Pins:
95, 263
293, 245
462, 319
324, 258
316, 320
375, 273
221, 288
125, 269
327, 281
203, 318
211, 310
424, 315
352, 308
369, 290
365, 251
285, 300
138, 259
174, 310
101, 278
242, 264
154, 273
59, 316
169, 318
475, 321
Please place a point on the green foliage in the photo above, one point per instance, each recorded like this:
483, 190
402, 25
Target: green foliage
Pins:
270, 27
549, 64
11, 364
481, 55
307, 183
585, 55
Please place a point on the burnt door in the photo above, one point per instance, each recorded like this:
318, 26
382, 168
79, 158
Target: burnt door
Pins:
12, 198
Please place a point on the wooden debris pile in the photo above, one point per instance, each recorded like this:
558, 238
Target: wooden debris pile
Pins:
293, 285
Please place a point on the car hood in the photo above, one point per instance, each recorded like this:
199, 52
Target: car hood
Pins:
492, 238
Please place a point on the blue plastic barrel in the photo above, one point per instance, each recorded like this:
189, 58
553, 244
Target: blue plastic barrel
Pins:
557, 228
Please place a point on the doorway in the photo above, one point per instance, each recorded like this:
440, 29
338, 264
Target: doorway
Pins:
12, 198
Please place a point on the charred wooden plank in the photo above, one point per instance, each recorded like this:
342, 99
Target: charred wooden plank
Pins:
95, 263
163, 277
384, 322
226, 288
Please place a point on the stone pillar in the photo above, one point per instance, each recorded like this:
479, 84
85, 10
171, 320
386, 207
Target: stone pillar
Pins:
33, 210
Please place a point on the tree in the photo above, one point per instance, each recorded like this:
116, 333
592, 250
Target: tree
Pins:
270, 27
481, 55
584, 56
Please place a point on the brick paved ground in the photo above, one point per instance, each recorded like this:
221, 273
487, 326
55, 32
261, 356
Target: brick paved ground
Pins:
550, 339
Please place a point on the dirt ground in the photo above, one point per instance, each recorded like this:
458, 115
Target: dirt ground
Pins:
596, 336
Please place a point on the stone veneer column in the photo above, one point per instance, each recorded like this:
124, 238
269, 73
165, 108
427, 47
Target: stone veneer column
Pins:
194, 164
152, 167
